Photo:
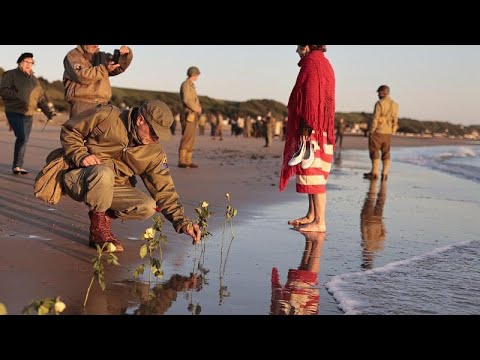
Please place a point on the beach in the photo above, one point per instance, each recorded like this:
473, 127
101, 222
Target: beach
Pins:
44, 249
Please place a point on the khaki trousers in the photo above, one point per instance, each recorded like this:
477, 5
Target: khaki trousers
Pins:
95, 186
188, 135
378, 142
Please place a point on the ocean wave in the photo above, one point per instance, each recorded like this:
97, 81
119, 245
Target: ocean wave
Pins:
443, 281
462, 161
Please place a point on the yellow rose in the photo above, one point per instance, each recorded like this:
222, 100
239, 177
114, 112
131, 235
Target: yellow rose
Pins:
205, 204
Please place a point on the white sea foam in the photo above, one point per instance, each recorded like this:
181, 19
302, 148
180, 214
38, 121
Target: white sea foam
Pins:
443, 281
463, 161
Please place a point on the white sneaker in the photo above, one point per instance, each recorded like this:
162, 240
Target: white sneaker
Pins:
298, 156
309, 157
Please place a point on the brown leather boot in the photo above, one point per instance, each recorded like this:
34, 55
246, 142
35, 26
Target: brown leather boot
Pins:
100, 232
374, 173
182, 162
188, 160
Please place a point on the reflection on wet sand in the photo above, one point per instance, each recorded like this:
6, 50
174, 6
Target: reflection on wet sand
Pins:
372, 227
134, 298
300, 295
337, 160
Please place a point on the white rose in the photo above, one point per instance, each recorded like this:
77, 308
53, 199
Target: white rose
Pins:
149, 233
60, 307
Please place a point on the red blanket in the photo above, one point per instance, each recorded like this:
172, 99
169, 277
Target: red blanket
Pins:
312, 100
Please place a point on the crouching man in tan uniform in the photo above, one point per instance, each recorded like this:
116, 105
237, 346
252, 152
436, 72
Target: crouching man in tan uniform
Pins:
383, 125
107, 146
191, 110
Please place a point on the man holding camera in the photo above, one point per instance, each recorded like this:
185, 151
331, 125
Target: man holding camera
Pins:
86, 75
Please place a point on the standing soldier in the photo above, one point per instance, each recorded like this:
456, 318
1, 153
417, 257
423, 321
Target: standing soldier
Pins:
340, 132
191, 109
202, 120
383, 125
269, 127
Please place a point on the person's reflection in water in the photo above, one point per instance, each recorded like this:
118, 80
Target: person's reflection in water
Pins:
337, 160
133, 298
301, 294
371, 223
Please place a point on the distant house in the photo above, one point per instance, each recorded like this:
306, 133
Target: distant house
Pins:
473, 135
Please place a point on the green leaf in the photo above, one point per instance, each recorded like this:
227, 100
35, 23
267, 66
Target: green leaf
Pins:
235, 212
139, 271
43, 310
101, 282
115, 262
143, 251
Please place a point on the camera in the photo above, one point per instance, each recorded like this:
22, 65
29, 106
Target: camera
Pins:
116, 56
105, 58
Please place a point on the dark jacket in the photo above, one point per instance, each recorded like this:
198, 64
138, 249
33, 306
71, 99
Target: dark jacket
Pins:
23, 93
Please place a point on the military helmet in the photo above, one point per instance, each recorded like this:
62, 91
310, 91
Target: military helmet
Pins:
384, 88
193, 70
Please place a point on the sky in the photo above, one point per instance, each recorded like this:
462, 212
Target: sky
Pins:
429, 82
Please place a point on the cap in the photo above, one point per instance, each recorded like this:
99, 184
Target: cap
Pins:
159, 117
24, 56
193, 70
384, 88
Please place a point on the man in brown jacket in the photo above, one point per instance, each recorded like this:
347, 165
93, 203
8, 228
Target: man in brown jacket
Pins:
86, 76
191, 110
107, 146
22, 94
383, 125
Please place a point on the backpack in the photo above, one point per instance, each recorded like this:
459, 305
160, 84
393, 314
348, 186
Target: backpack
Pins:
48, 184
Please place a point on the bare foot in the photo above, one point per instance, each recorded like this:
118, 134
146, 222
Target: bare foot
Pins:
299, 222
313, 227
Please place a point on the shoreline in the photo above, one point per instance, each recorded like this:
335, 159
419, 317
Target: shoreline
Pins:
44, 248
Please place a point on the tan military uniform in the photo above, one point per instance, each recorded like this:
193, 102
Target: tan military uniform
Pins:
191, 108
88, 85
383, 125
269, 126
102, 131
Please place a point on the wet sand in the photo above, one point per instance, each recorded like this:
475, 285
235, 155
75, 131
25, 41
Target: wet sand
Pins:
44, 249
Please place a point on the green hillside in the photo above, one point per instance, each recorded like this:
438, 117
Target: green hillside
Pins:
133, 97
411, 125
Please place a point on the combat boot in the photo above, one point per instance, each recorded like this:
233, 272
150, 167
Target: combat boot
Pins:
100, 232
374, 173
